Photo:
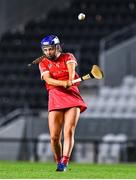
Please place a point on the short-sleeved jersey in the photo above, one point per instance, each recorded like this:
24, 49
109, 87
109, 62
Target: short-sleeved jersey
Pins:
58, 68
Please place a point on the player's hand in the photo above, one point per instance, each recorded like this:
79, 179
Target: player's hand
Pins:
66, 84
69, 83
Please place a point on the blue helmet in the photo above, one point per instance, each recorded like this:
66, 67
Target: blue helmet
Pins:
50, 40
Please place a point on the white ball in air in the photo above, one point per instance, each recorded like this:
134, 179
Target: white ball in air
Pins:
81, 16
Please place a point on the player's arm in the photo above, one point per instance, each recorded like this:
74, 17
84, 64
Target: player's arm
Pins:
71, 70
47, 77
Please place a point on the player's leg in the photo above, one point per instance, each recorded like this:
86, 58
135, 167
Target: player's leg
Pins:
71, 118
55, 120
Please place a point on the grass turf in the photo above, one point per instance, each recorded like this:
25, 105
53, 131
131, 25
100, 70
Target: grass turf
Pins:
75, 171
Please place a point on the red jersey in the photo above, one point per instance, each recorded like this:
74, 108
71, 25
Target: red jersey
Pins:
58, 68
60, 97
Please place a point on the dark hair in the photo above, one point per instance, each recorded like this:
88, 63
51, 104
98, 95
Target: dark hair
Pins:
37, 61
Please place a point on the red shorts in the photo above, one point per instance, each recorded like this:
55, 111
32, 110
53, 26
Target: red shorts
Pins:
61, 98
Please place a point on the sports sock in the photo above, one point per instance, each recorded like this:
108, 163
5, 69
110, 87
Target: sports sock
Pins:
65, 160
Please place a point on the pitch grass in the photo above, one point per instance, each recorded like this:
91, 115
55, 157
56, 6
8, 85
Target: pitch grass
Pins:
38, 170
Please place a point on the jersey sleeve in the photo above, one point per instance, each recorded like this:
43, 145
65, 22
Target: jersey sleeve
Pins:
43, 67
70, 58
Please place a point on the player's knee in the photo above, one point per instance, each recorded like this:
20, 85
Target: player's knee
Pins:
55, 139
69, 132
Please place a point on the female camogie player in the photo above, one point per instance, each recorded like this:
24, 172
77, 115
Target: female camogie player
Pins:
65, 102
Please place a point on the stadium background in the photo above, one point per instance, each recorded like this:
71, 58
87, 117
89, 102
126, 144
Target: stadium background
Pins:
106, 131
